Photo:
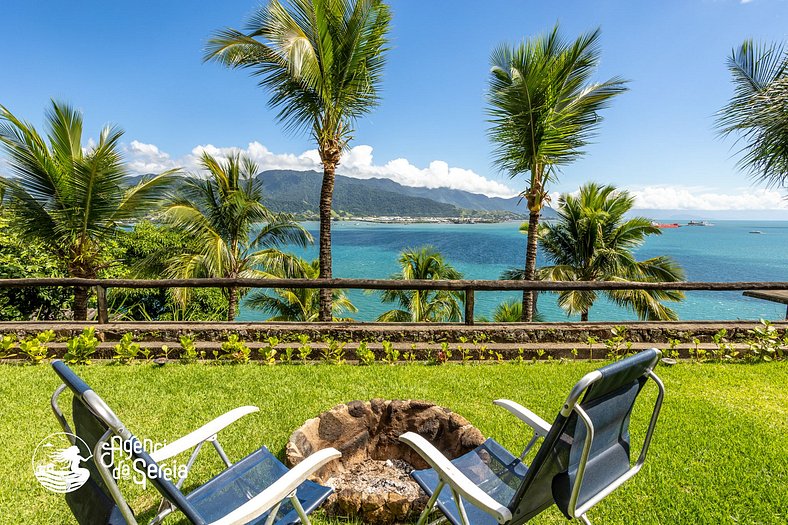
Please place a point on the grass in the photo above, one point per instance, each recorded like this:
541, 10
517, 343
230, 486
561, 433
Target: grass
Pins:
720, 454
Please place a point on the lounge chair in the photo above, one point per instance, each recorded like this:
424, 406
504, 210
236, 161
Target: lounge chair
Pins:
584, 455
257, 489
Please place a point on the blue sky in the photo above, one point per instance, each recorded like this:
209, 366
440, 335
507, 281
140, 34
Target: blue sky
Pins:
138, 64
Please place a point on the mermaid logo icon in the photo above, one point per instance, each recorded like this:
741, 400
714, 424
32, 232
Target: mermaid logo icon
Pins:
56, 462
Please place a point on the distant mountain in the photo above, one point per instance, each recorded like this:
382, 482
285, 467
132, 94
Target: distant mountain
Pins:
299, 192
377, 197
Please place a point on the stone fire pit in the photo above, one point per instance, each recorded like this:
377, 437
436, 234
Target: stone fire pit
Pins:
371, 479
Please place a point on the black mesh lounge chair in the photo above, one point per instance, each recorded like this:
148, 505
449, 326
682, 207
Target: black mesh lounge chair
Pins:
584, 455
256, 490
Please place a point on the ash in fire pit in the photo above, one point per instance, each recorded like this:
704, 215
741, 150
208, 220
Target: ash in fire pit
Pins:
372, 478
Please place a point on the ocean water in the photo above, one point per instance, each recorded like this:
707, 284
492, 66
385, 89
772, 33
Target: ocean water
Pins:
725, 251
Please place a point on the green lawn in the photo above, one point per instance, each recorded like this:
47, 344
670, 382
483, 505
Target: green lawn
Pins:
720, 454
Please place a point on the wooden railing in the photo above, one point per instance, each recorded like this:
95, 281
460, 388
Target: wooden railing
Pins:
467, 286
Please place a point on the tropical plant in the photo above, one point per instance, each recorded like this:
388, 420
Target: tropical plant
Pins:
20, 258
297, 304
511, 310
235, 350
126, 350
236, 236
758, 110
143, 252
69, 197
81, 348
593, 241
421, 306
322, 62
543, 110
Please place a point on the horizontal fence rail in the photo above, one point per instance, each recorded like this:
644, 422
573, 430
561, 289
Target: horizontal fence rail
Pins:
467, 286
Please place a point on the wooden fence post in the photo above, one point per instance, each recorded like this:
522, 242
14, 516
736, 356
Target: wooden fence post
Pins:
469, 306
101, 299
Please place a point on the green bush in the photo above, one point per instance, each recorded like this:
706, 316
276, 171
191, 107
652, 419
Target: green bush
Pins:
235, 350
126, 350
80, 348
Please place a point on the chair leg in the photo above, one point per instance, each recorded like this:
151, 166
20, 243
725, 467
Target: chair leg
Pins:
460, 507
430, 503
583, 519
299, 509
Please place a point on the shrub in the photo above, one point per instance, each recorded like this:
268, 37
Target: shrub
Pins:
80, 348
126, 350
364, 354
304, 350
34, 347
235, 350
189, 352
7, 343
390, 354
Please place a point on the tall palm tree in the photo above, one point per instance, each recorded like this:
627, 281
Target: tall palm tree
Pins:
322, 61
68, 196
543, 110
298, 304
593, 241
237, 236
758, 110
419, 306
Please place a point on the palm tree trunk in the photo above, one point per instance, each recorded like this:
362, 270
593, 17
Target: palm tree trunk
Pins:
530, 265
81, 303
584, 316
232, 303
330, 161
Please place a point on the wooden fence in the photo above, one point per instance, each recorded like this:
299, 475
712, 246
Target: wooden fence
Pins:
467, 286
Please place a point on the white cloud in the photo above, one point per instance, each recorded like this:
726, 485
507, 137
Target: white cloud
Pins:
691, 198
357, 162
148, 158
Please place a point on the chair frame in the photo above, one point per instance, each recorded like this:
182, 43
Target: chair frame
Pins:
269, 499
463, 488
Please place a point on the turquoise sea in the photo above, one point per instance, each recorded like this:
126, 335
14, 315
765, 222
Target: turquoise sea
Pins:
726, 251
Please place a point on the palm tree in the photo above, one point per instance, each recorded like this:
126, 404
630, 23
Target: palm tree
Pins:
69, 197
592, 241
298, 304
543, 110
419, 306
758, 110
322, 61
236, 235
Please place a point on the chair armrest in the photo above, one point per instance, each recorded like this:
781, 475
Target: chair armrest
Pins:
456, 479
540, 426
203, 433
281, 489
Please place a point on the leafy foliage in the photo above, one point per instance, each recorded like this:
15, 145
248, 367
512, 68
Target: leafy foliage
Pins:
234, 235
420, 306
543, 110
593, 241
142, 252
297, 304
22, 257
322, 62
758, 111
70, 198
81, 348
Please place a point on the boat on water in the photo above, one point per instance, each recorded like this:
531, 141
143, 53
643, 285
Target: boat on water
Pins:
699, 223
759, 232
662, 225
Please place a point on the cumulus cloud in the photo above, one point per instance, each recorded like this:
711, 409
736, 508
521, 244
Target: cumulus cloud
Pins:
676, 197
358, 162
692, 198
